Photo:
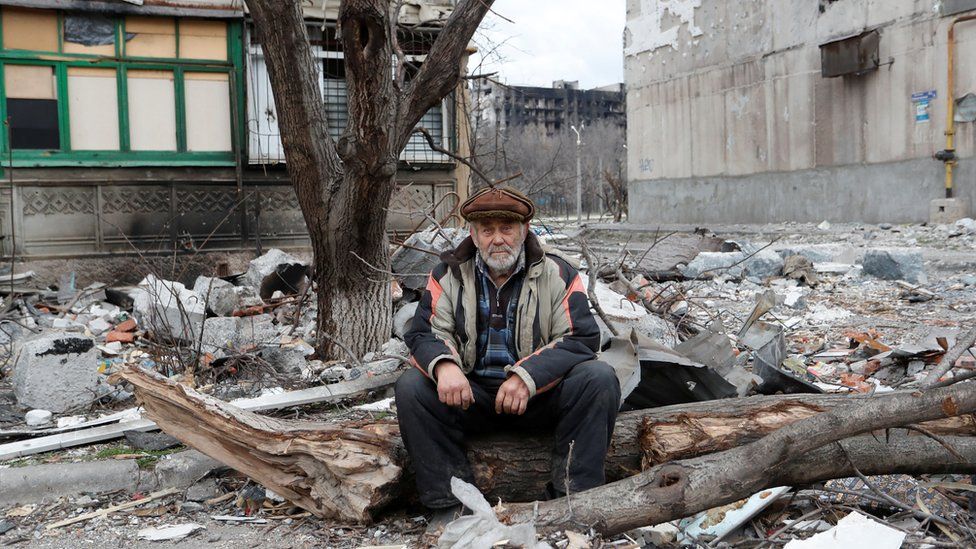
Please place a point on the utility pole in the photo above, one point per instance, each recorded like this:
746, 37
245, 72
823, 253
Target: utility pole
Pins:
579, 175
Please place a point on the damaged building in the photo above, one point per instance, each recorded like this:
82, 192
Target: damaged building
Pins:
140, 128
773, 111
552, 109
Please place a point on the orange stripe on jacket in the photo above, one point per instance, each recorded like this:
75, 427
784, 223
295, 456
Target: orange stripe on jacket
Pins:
419, 367
575, 286
538, 351
436, 291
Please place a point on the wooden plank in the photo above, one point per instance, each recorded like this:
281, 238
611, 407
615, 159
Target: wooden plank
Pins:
315, 395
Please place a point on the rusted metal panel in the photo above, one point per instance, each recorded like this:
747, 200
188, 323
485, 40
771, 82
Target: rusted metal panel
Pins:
854, 55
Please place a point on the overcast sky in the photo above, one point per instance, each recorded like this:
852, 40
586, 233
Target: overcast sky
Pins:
554, 40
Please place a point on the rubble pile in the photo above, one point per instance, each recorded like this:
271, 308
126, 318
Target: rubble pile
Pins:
775, 310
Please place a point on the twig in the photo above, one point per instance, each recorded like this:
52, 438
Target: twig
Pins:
942, 442
477, 171
108, 510
898, 504
963, 344
594, 270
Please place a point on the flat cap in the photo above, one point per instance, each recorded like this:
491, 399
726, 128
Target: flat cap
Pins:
498, 203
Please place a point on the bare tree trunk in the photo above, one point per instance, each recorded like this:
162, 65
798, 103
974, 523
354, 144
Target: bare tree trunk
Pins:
350, 472
344, 188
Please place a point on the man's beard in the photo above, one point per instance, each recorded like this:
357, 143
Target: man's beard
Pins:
499, 263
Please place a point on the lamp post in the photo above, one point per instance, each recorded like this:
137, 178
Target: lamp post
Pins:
579, 176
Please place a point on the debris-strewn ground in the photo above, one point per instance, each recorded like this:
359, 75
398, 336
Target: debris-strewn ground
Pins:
860, 308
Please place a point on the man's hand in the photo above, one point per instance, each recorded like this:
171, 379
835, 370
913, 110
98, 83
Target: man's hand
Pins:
453, 387
513, 396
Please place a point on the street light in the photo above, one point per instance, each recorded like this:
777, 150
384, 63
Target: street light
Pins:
579, 176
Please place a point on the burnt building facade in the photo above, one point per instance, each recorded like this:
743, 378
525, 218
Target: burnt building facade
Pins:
552, 109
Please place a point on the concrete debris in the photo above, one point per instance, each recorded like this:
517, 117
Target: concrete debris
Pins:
288, 361
169, 309
222, 297
223, 336
174, 532
895, 264
203, 490
36, 418
421, 253
966, 225
58, 372
800, 268
276, 271
854, 530
151, 442
750, 262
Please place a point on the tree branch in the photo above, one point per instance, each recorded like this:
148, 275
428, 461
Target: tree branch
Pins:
441, 72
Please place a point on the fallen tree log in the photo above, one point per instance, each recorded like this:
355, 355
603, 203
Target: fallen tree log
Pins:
517, 468
681, 488
351, 471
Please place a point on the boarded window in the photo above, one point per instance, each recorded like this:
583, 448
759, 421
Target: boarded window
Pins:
30, 29
152, 110
207, 111
94, 109
91, 34
32, 105
200, 39
150, 37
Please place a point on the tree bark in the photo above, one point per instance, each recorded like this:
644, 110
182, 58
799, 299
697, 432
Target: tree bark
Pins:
352, 471
344, 188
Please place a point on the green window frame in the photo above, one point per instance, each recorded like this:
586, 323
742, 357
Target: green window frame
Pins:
125, 157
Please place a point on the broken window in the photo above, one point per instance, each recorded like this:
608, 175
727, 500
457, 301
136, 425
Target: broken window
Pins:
93, 108
150, 37
152, 110
208, 126
25, 29
202, 39
91, 34
32, 106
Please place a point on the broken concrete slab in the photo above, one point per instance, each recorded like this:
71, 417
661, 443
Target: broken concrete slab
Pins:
184, 469
223, 335
203, 490
57, 372
288, 361
153, 442
222, 297
276, 271
750, 262
895, 264
35, 483
168, 308
414, 261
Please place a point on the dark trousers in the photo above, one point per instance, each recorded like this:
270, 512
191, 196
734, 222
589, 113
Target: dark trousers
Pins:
582, 409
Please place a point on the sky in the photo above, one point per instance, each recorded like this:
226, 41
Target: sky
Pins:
550, 40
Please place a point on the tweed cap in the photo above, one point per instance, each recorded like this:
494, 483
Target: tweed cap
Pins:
498, 203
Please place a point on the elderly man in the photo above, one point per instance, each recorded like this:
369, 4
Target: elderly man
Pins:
503, 339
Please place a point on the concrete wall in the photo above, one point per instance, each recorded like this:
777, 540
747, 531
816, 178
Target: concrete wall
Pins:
729, 118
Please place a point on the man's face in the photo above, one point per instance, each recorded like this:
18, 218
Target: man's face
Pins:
499, 241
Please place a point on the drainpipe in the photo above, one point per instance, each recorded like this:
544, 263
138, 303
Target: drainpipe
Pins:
948, 156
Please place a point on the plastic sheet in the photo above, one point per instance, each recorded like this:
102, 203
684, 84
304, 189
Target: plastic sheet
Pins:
482, 529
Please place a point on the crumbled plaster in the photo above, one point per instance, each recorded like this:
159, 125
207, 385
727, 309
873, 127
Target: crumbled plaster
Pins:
646, 32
